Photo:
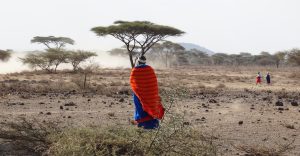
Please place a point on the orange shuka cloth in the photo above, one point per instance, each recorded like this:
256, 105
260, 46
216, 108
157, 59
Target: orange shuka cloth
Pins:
144, 84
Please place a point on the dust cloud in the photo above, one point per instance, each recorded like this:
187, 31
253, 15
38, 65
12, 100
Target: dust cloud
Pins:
103, 60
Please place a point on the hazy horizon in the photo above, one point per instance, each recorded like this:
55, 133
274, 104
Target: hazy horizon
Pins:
228, 26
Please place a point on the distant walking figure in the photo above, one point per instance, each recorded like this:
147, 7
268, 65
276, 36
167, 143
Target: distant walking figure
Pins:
258, 78
268, 77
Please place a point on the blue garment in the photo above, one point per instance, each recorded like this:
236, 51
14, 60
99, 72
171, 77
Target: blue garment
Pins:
140, 113
151, 124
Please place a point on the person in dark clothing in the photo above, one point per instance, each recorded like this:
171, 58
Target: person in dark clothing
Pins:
268, 77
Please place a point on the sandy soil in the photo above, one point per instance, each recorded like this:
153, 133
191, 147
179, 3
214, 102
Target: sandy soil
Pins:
221, 101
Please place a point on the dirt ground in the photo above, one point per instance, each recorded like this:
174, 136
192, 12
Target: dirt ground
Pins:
222, 101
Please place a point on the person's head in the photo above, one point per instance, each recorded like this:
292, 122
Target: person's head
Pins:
141, 60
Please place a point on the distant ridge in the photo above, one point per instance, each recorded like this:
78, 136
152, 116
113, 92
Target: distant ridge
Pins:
189, 46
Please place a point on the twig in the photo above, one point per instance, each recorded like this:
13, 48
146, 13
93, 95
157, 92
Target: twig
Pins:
158, 129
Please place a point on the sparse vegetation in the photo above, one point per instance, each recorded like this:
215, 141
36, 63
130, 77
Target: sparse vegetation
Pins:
5, 55
174, 138
77, 57
51, 59
107, 96
259, 150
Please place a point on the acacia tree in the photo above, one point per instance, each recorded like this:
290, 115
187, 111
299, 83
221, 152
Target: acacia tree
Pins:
56, 57
38, 60
142, 34
166, 50
219, 58
76, 57
52, 42
5, 55
198, 57
294, 56
169, 49
279, 58
55, 53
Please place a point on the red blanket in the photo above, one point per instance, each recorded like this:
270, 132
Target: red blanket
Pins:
144, 84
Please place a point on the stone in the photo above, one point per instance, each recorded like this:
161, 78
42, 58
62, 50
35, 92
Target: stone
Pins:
121, 100
294, 103
280, 108
279, 103
70, 104
212, 101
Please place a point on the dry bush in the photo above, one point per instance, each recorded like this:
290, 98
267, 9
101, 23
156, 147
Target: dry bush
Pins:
173, 138
78, 80
60, 86
295, 75
287, 95
116, 83
259, 150
44, 86
289, 126
220, 86
27, 136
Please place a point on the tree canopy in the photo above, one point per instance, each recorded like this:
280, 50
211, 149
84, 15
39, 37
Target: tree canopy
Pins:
52, 42
76, 57
5, 55
166, 50
294, 56
142, 34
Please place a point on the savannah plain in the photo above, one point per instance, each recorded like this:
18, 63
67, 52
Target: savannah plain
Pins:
222, 103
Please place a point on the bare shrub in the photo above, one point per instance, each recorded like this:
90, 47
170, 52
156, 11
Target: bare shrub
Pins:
295, 75
29, 136
174, 138
259, 150
220, 86
116, 83
289, 126
78, 80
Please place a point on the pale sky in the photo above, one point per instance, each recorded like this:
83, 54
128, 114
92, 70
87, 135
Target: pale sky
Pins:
229, 26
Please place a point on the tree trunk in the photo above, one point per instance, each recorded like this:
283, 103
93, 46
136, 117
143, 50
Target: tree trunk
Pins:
84, 83
131, 60
55, 68
166, 59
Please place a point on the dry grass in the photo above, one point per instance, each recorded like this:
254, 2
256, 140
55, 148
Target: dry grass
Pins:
29, 136
295, 75
259, 150
174, 138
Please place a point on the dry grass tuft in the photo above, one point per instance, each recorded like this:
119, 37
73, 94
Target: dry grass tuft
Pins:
173, 138
259, 150
294, 75
27, 136
220, 86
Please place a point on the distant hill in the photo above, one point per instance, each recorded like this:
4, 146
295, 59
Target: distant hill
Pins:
189, 46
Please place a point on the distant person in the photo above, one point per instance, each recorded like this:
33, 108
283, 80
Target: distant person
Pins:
148, 107
268, 78
258, 78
